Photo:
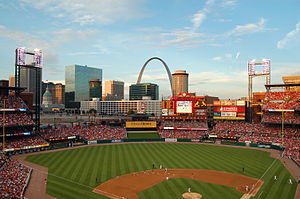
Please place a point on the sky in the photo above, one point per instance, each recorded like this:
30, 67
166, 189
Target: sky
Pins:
211, 39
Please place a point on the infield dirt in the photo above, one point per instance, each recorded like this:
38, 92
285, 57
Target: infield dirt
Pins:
127, 186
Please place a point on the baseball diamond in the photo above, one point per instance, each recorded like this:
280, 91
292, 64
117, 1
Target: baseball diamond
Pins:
205, 169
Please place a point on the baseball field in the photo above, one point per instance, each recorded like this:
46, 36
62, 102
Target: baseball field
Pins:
164, 170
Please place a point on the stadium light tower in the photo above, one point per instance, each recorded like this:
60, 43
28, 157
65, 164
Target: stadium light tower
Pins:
252, 72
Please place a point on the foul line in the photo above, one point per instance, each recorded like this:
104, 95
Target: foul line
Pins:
66, 179
262, 175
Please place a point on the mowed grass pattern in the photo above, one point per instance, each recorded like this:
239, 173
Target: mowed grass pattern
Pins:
74, 173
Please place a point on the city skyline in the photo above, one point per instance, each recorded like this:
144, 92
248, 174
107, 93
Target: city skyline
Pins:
212, 40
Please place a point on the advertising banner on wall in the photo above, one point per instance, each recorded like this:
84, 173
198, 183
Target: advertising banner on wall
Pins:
228, 114
141, 124
240, 109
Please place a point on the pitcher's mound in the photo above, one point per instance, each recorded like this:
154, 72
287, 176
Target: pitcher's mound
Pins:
191, 195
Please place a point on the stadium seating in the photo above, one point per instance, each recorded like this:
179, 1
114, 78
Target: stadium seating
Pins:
282, 100
16, 119
97, 132
12, 102
23, 141
169, 123
181, 134
13, 178
259, 133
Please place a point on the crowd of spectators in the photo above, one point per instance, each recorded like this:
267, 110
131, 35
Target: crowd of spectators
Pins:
13, 178
12, 102
3, 159
282, 100
181, 134
96, 132
262, 134
23, 141
196, 124
16, 119
277, 118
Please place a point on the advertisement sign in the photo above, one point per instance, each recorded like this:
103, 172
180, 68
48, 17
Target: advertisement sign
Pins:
200, 112
170, 139
185, 128
92, 142
228, 114
199, 104
217, 114
217, 103
241, 109
184, 107
228, 103
140, 124
164, 111
116, 141
240, 103
20, 56
229, 118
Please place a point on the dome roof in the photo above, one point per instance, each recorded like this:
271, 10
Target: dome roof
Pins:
47, 93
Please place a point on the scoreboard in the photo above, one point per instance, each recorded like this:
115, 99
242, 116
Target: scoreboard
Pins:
230, 110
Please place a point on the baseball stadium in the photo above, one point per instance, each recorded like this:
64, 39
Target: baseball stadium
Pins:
198, 147
178, 155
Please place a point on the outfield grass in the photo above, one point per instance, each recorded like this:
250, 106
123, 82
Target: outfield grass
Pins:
142, 135
73, 173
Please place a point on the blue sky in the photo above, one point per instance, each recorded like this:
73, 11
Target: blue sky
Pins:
211, 39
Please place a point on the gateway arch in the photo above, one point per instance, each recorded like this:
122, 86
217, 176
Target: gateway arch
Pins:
166, 67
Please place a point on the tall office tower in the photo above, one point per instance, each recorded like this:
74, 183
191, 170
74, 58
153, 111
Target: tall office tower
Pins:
11, 80
28, 80
294, 79
95, 88
59, 93
114, 90
138, 91
77, 83
180, 82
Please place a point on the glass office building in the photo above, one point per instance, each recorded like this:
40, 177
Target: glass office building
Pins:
77, 79
138, 91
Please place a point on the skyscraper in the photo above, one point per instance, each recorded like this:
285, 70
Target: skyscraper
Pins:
28, 80
114, 90
77, 83
138, 91
95, 88
180, 82
59, 93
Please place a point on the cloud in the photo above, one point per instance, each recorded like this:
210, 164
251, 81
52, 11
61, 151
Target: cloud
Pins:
289, 37
225, 56
228, 3
88, 11
189, 37
48, 46
217, 58
248, 28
